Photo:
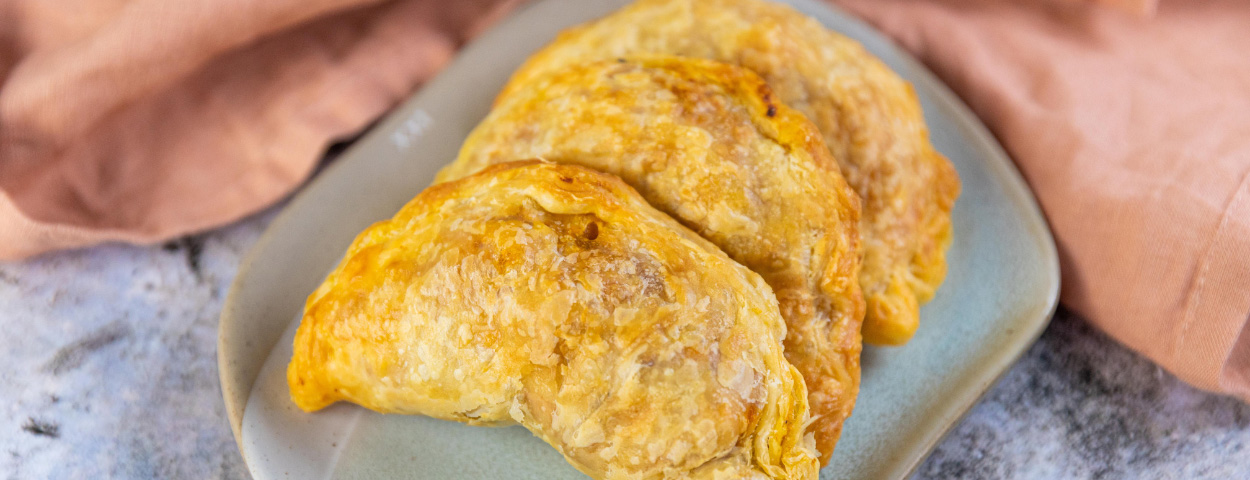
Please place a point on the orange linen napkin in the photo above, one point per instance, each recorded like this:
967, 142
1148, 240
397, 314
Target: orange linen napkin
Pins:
1135, 136
138, 120
1140, 7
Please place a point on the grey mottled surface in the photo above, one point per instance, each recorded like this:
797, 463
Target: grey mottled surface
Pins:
110, 372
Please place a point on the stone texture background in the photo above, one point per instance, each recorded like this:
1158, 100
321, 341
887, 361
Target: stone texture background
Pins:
110, 371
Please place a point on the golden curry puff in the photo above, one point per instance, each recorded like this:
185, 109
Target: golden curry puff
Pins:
870, 118
705, 142
554, 297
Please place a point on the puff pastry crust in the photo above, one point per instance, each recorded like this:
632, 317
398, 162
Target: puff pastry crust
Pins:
870, 118
705, 142
555, 297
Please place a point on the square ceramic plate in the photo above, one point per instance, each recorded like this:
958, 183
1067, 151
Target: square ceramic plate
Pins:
999, 293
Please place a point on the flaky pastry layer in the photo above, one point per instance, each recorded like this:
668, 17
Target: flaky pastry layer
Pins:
707, 143
555, 297
870, 118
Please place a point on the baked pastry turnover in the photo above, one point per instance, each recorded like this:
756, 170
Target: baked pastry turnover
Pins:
870, 118
555, 297
706, 142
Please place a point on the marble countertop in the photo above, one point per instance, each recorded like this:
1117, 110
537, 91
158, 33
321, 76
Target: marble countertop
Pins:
111, 372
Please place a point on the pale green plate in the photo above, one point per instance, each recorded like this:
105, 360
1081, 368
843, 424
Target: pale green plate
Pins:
1000, 291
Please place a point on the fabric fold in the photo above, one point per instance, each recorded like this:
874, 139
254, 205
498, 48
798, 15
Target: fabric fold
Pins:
122, 156
1134, 134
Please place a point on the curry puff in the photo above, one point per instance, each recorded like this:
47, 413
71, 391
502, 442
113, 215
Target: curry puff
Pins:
706, 143
554, 297
870, 118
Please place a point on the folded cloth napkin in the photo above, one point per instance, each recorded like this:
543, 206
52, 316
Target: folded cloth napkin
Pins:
1135, 136
138, 120
1140, 7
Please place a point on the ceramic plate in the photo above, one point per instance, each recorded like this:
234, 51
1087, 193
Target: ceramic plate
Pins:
999, 293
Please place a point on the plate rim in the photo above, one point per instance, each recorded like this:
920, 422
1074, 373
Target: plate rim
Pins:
235, 394
1018, 190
